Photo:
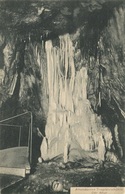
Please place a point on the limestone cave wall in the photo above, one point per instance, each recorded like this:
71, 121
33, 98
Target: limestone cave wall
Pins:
65, 63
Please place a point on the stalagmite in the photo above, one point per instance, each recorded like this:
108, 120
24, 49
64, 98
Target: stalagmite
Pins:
67, 142
66, 152
44, 149
101, 149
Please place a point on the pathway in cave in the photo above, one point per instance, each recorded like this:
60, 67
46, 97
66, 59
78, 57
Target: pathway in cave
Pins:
39, 181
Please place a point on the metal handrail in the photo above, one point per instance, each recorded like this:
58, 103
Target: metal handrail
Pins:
30, 134
10, 125
14, 117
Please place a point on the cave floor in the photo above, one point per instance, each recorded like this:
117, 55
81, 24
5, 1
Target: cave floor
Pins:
44, 174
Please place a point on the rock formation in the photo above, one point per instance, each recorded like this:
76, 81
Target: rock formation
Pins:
65, 63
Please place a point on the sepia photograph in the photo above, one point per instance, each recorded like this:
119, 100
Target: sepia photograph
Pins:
62, 97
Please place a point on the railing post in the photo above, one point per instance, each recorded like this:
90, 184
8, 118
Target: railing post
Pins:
31, 132
19, 137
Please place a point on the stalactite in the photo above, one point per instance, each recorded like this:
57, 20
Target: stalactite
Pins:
2, 75
8, 52
22, 81
99, 101
13, 84
30, 79
121, 111
117, 140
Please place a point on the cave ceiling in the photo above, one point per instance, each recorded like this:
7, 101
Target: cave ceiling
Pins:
59, 17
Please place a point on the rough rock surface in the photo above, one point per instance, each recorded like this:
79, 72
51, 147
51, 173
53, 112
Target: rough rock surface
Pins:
93, 32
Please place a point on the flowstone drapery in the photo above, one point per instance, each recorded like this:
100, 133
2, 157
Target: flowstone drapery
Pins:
72, 128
